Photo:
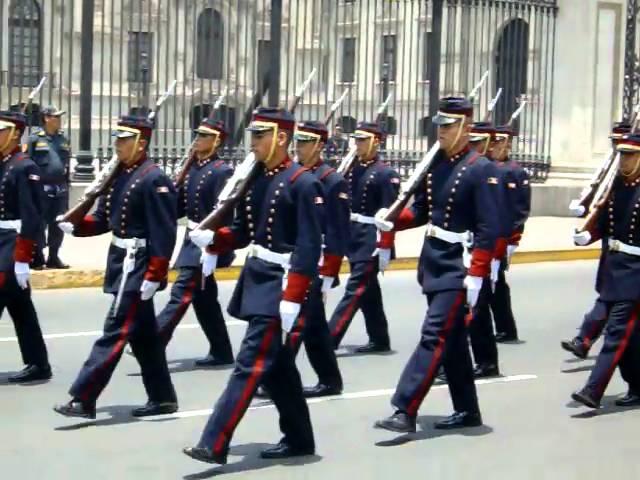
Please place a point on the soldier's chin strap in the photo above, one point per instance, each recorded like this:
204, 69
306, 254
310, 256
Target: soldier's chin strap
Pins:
634, 173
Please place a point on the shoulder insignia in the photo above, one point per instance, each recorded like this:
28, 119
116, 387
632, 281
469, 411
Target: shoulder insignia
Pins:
163, 189
41, 133
318, 200
42, 144
343, 195
511, 185
295, 176
492, 180
395, 180
525, 182
34, 177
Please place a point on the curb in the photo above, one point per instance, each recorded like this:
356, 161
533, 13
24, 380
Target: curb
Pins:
57, 279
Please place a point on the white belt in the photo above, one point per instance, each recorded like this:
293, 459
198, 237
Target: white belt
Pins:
282, 259
356, 217
191, 225
11, 225
466, 238
618, 246
128, 243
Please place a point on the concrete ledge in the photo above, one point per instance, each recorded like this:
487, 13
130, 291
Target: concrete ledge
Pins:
55, 279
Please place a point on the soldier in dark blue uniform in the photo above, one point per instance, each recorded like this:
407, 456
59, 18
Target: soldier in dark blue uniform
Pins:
596, 318
483, 342
140, 209
312, 326
51, 151
620, 281
519, 198
20, 216
373, 185
195, 283
458, 207
280, 219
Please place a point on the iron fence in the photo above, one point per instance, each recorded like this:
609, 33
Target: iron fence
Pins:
370, 46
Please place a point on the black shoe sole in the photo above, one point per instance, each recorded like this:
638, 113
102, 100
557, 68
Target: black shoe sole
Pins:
570, 348
269, 456
68, 414
159, 411
456, 426
204, 458
587, 402
326, 393
383, 426
38, 378
622, 403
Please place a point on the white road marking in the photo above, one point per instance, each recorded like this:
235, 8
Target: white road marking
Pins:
97, 333
344, 396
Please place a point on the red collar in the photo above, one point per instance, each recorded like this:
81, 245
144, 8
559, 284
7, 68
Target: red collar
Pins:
286, 163
460, 154
142, 159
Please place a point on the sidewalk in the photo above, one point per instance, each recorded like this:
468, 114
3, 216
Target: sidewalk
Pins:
545, 239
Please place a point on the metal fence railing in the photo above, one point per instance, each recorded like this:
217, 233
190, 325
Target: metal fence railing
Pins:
371, 46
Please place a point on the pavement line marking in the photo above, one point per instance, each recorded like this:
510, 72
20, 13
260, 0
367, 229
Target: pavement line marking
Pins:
345, 396
97, 333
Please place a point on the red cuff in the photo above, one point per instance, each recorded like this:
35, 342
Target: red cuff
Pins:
501, 248
515, 238
330, 265
157, 270
297, 286
480, 262
24, 250
87, 227
223, 241
405, 220
386, 240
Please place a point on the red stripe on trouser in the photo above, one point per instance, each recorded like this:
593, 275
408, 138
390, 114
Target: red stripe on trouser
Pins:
185, 301
296, 336
115, 350
620, 350
589, 337
437, 353
248, 390
348, 313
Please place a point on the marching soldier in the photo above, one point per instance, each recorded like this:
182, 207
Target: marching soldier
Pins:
49, 148
596, 318
373, 185
20, 216
458, 207
280, 217
620, 277
140, 210
195, 283
519, 198
312, 326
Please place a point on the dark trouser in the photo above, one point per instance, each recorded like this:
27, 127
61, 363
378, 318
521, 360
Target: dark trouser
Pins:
135, 323
501, 307
443, 340
483, 341
262, 359
312, 328
50, 234
19, 304
593, 323
362, 292
621, 348
186, 290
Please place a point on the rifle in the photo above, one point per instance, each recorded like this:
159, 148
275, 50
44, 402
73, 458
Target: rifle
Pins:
517, 113
349, 159
334, 107
32, 95
492, 105
107, 174
411, 185
588, 193
184, 164
237, 186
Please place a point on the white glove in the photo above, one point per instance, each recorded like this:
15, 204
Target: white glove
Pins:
382, 224
23, 274
581, 238
148, 289
202, 238
473, 286
495, 270
66, 227
575, 208
384, 257
289, 312
511, 249
209, 263
327, 283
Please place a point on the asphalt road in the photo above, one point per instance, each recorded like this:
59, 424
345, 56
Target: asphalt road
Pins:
532, 429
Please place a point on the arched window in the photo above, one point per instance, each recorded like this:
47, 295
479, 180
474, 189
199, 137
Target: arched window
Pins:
347, 123
25, 43
210, 44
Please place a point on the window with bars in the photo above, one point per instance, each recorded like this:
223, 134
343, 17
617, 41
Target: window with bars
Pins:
25, 43
348, 67
210, 44
388, 58
140, 57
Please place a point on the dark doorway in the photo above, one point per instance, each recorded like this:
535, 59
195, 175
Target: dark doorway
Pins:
511, 55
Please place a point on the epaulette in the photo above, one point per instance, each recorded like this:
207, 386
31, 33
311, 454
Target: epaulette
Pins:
295, 176
474, 156
328, 172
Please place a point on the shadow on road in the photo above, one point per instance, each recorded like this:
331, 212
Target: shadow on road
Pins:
4, 381
251, 462
184, 365
608, 407
119, 415
427, 432
351, 352
583, 368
